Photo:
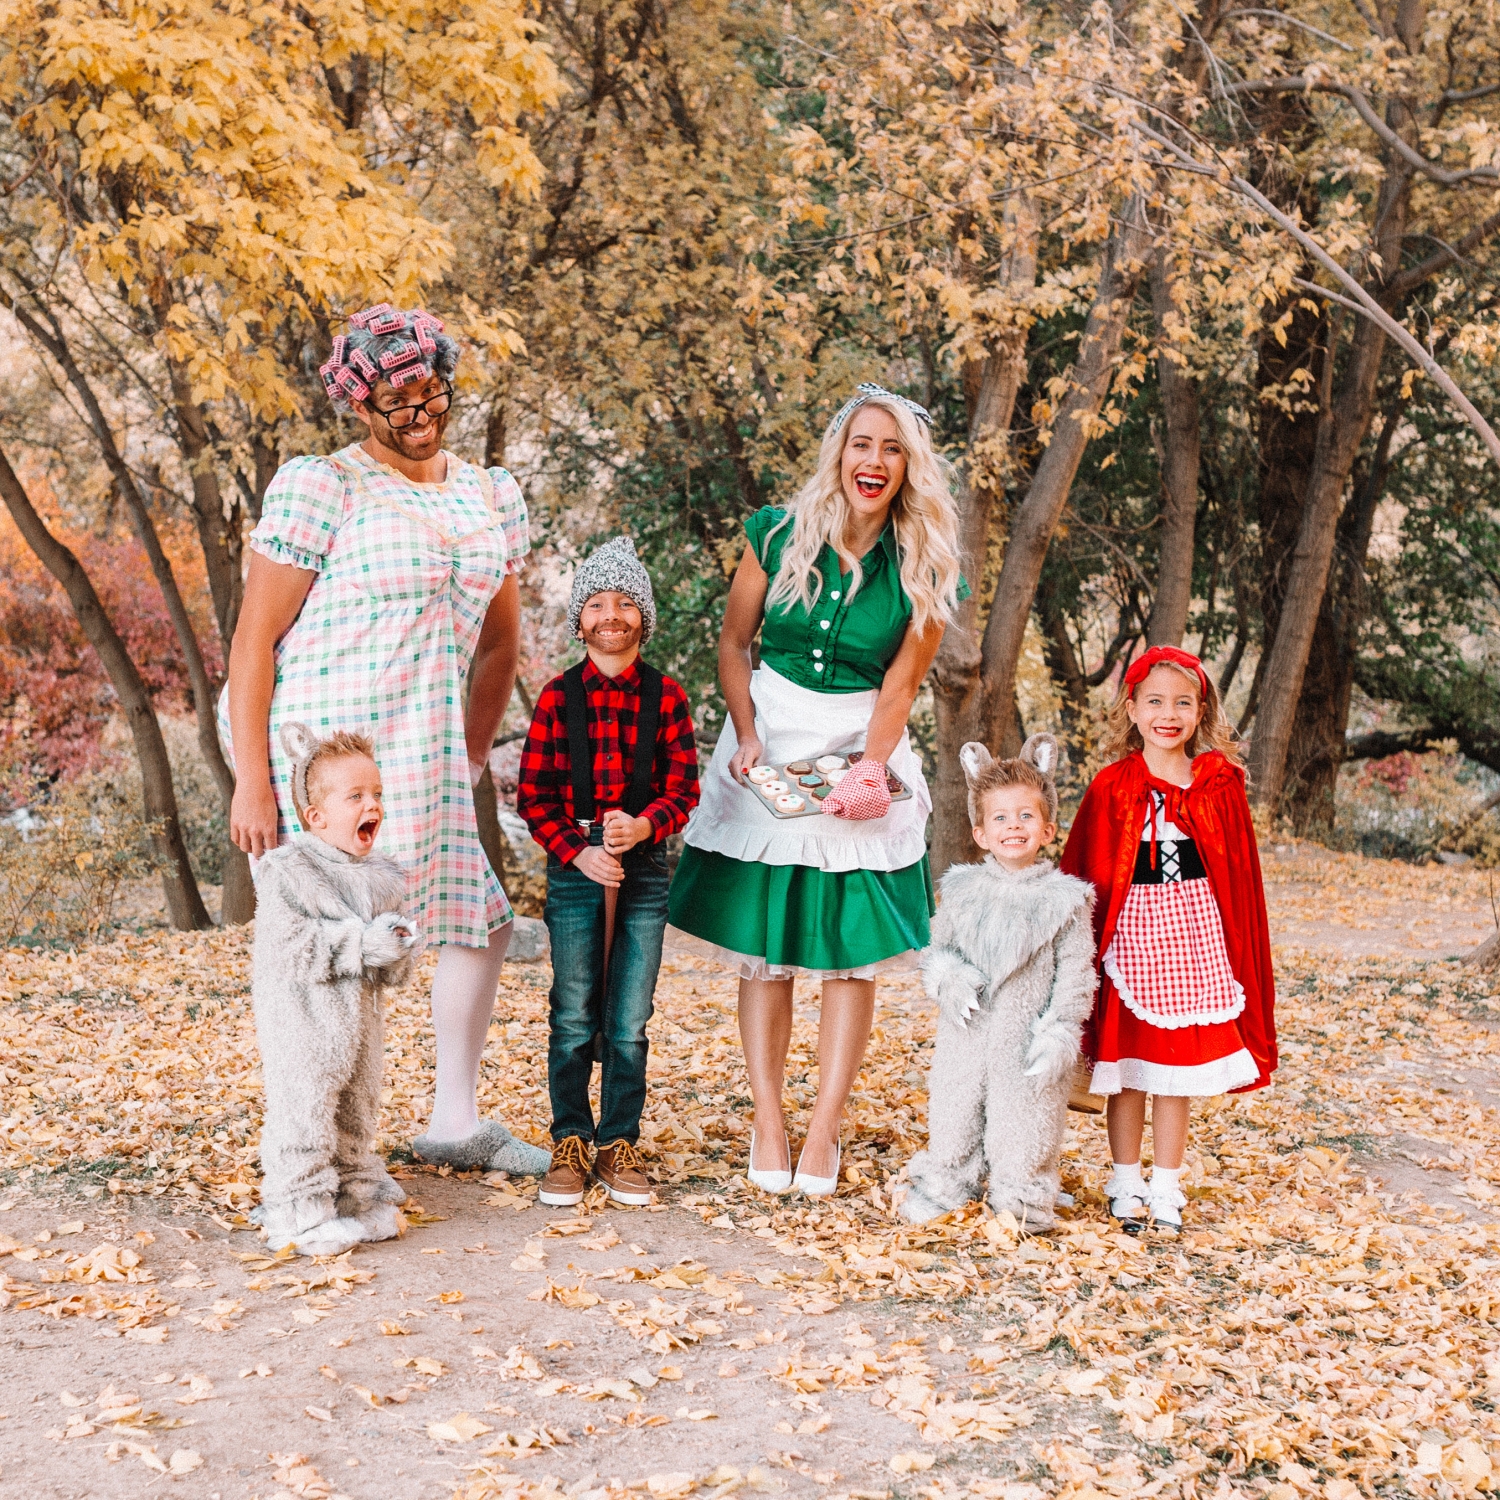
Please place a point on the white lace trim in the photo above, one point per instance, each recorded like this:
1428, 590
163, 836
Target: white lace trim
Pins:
1171, 1023
1200, 1081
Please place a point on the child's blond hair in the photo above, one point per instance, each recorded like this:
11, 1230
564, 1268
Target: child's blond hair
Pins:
1214, 731
307, 753
1035, 768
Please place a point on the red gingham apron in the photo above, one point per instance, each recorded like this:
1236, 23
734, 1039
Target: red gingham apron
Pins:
1167, 958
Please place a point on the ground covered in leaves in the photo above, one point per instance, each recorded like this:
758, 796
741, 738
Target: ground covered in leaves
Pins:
1326, 1326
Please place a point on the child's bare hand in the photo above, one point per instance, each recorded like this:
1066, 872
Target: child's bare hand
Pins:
622, 832
600, 866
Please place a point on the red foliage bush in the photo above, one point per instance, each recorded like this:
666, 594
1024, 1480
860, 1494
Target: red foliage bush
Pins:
53, 688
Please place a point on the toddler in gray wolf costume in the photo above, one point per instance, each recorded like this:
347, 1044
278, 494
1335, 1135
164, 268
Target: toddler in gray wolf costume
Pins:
329, 937
1011, 968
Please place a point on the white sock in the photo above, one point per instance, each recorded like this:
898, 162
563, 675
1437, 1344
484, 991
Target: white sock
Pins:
1164, 1179
1127, 1181
463, 1000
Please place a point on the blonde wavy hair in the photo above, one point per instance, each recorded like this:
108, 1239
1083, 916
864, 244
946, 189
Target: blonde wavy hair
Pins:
1214, 731
923, 513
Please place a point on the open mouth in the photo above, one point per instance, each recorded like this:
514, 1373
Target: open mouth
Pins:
870, 485
367, 830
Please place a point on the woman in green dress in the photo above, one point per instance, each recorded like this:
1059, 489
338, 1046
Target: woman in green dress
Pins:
850, 588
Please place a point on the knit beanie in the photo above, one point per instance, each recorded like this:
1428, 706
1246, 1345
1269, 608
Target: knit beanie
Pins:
614, 568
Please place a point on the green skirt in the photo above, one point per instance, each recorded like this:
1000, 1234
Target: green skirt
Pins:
800, 917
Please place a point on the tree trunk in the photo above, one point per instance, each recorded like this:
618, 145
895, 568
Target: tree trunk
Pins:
220, 525
1179, 470
1036, 518
237, 895
1061, 657
184, 900
494, 434
1318, 732
1343, 423
491, 834
990, 387
237, 903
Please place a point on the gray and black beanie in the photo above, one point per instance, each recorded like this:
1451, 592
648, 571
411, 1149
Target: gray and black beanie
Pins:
613, 568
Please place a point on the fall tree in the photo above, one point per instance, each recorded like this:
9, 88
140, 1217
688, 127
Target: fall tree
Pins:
197, 191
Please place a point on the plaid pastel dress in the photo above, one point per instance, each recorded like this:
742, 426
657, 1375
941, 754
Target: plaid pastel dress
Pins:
383, 644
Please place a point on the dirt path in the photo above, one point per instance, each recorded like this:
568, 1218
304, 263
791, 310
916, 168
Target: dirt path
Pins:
1329, 1312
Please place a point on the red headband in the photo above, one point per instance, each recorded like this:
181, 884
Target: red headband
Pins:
1169, 656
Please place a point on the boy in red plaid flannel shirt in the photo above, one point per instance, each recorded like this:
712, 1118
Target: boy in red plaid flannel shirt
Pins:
604, 823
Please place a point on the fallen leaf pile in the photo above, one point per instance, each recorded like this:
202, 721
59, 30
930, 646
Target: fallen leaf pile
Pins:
1309, 1334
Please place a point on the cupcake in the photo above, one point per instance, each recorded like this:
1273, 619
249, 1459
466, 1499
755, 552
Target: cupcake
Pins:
789, 802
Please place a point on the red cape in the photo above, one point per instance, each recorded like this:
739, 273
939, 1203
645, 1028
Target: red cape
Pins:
1213, 811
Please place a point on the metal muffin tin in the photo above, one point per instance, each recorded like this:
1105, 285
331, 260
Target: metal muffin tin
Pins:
813, 806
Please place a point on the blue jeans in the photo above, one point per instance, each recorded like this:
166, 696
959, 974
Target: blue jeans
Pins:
589, 1019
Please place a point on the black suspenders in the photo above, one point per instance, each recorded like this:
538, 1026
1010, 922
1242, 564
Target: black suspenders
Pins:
581, 755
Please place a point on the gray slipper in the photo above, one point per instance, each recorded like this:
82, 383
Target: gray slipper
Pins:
492, 1148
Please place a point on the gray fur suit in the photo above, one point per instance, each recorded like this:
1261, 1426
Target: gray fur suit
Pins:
1012, 970
327, 941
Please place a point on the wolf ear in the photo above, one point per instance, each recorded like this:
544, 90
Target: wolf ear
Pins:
298, 741
975, 760
1041, 751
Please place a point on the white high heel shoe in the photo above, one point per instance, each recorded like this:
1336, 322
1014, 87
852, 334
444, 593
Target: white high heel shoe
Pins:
768, 1182
820, 1187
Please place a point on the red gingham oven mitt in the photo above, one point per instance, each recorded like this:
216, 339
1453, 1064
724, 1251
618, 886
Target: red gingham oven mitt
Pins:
863, 793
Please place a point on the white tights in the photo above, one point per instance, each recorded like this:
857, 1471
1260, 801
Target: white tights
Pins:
463, 999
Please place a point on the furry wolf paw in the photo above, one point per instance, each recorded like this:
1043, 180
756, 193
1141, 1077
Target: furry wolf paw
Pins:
917, 1208
958, 1001
331, 1237
388, 939
381, 1222
388, 1190
1053, 1051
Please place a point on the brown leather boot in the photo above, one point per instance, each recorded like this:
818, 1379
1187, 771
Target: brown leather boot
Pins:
620, 1169
568, 1176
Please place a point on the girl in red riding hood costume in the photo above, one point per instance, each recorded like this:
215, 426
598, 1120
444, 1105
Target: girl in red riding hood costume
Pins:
1186, 1003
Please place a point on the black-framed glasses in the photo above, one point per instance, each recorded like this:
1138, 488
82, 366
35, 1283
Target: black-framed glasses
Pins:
403, 416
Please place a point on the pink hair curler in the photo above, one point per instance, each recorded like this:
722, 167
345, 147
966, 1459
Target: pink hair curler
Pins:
340, 349
368, 316
406, 374
353, 384
364, 364
425, 341
403, 352
391, 322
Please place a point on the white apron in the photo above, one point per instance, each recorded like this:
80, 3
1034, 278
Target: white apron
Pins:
795, 723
